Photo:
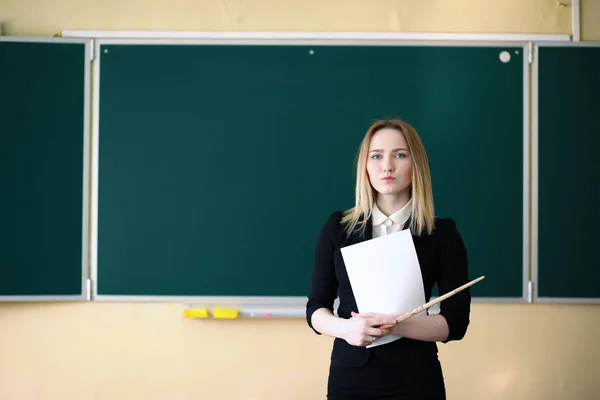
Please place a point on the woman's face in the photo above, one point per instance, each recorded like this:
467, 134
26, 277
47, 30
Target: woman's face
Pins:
388, 164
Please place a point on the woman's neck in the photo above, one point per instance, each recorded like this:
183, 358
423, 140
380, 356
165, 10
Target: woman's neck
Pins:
389, 204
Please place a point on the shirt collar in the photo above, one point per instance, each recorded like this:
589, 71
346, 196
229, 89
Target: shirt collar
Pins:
399, 217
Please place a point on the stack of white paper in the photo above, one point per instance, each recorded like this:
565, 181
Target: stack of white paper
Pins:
385, 276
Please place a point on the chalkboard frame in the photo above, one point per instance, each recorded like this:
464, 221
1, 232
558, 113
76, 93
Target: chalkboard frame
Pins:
535, 175
293, 306
85, 225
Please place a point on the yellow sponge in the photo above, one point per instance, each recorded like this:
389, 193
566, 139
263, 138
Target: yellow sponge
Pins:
196, 313
226, 313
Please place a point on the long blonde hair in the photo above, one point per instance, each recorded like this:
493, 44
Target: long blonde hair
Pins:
422, 215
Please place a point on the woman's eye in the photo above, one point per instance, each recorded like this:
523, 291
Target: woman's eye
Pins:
400, 155
376, 156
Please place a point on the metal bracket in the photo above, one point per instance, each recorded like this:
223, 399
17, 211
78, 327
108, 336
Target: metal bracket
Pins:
89, 290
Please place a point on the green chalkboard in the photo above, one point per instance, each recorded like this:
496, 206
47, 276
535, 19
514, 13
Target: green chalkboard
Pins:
569, 172
218, 164
42, 136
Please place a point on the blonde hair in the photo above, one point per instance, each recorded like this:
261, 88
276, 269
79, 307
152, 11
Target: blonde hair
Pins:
422, 215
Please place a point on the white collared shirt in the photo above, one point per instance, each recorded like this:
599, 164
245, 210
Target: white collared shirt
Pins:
384, 225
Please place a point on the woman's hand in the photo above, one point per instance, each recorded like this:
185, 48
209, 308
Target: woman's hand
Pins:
364, 329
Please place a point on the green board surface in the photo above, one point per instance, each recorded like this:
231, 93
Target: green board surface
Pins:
569, 172
218, 164
41, 169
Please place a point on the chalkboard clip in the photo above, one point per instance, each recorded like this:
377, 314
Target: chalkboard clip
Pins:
93, 50
89, 290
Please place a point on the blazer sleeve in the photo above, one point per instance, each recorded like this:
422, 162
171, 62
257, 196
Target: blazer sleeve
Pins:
453, 273
323, 282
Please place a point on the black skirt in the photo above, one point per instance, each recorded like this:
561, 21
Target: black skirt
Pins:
420, 379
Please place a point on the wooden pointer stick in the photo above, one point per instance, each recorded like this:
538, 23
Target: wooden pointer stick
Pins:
425, 306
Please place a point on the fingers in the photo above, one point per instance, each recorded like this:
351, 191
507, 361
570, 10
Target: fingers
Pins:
369, 340
388, 320
377, 332
362, 315
375, 319
366, 341
368, 329
379, 320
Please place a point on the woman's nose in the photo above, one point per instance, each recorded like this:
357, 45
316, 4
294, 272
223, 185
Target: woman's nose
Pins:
388, 165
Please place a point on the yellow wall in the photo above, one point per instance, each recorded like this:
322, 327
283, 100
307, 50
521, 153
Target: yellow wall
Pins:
46, 17
147, 351
590, 20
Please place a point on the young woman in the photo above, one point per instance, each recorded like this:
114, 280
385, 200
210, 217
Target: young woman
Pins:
393, 192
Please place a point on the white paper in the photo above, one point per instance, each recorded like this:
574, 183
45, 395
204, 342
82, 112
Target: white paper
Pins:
385, 276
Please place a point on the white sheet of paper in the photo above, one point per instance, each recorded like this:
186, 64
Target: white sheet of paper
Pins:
385, 276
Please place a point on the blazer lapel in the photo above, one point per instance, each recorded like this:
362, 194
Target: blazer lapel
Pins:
356, 237
368, 231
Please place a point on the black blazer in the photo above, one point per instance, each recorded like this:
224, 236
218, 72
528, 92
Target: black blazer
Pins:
442, 258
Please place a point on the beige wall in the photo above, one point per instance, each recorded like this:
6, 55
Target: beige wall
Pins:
148, 351
46, 17
590, 20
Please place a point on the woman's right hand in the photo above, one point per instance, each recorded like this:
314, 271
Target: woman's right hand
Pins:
364, 329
